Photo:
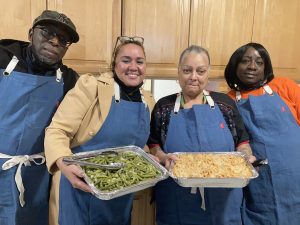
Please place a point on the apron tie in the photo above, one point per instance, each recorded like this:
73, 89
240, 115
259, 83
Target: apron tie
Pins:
21, 160
201, 190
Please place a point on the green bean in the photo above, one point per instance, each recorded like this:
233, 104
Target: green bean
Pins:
137, 169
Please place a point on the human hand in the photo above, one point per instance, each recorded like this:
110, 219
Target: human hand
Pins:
246, 149
163, 158
167, 159
74, 174
251, 158
154, 157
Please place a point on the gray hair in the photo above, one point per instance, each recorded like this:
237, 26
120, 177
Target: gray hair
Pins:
193, 48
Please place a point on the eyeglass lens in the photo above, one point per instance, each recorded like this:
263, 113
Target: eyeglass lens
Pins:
48, 34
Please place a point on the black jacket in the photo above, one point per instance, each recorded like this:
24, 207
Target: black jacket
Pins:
9, 48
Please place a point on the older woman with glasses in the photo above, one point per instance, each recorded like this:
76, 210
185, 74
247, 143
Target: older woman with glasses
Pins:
103, 111
196, 120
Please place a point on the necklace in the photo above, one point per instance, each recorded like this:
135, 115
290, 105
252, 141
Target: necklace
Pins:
182, 101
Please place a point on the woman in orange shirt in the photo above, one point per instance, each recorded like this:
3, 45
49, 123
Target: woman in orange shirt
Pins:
270, 108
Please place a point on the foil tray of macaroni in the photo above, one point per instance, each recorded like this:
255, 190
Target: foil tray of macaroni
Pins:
110, 194
206, 169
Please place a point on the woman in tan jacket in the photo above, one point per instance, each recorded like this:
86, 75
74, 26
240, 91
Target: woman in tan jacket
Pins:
106, 111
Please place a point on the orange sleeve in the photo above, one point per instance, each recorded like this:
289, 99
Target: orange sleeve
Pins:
289, 91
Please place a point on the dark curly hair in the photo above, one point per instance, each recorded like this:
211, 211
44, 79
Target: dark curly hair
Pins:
230, 70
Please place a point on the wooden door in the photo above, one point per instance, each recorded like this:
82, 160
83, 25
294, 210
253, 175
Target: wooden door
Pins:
221, 26
17, 17
165, 26
98, 24
277, 27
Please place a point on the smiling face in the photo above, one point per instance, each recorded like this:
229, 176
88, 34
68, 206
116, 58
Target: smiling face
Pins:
193, 74
250, 70
130, 64
48, 51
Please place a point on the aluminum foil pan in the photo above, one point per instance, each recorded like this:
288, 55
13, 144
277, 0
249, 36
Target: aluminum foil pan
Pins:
107, 195
215, 182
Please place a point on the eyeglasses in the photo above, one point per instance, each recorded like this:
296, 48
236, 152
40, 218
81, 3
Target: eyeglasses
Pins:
125, 40
48, 35
189, 70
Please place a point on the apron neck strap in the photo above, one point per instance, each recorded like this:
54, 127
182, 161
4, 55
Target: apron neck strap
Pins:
117, 92
206, 95
58, 75
209, 99
11, 66
267, 89
238, 96
118, 96
177, 103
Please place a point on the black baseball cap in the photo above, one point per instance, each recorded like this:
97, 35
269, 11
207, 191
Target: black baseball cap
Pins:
49, 16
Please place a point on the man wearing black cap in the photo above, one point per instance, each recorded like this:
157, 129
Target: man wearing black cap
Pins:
33, 81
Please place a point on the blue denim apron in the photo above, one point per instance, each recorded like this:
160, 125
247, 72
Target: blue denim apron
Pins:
274, 197
126, 124
27, 105
199, 129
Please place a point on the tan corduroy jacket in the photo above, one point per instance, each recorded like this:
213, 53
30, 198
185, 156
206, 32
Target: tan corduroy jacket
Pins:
81, 115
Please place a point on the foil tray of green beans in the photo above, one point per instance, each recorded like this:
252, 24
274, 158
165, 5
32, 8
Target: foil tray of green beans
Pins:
140, 171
